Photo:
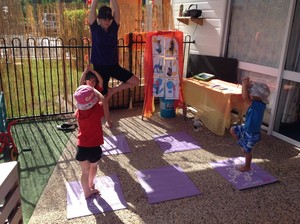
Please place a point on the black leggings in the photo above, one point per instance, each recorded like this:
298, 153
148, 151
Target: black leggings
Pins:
114, 71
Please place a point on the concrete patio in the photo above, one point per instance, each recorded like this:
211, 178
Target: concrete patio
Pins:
220, 202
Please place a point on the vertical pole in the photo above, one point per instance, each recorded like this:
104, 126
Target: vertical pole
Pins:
130, 66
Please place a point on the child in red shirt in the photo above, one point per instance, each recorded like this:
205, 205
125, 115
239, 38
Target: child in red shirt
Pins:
90, 135
92, 78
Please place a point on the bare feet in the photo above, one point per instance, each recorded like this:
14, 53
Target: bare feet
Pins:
244, 168
91, 192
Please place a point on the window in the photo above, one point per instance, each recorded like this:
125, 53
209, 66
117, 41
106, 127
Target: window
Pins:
254, 36
293, 55
287, 120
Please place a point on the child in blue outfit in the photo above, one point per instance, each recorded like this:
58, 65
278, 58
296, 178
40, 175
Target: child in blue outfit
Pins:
255, 95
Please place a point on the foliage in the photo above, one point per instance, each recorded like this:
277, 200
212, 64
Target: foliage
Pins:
56, 1
40, 83
76, 15
50, 1
77, 19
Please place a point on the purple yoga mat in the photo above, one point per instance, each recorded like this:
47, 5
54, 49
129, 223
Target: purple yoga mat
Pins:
111, 197
175, 142
166, 183
115, 145
242, 180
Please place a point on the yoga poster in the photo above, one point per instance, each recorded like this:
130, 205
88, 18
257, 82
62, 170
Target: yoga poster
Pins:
159, 86
171, 68
171, 47
165, 67
171, 89
158, 45
158, 65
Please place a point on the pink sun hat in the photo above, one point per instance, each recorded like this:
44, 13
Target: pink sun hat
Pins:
86, 97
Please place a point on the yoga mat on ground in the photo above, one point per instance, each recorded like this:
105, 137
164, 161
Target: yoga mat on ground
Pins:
175, 142
111, 197
166, 183
242, 180
115, 145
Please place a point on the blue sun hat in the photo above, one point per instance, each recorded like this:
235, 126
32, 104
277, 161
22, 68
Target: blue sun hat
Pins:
261, 90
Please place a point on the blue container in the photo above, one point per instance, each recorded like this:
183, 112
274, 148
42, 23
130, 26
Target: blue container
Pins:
167, 109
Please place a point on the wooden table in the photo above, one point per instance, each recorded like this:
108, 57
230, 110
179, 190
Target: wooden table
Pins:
214, 100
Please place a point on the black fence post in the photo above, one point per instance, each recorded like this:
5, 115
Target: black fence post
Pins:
130, 65
130, 43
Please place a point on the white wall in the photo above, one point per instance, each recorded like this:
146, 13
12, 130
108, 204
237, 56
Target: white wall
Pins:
208, 37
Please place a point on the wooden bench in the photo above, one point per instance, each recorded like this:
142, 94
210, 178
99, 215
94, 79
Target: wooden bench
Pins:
10, 199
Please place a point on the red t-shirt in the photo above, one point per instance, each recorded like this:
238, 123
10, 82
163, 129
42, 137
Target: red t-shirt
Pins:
90, 133
100, 89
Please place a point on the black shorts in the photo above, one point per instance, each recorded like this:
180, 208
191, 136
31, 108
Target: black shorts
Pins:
114, 71
92, 154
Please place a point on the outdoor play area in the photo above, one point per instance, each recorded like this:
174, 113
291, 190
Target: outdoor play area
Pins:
156, 170
161, 164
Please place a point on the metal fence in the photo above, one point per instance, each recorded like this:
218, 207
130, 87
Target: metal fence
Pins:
39, 76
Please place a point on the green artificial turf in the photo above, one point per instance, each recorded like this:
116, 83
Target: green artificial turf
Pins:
46, 144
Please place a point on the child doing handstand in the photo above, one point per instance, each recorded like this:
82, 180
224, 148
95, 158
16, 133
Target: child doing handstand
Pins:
247, 135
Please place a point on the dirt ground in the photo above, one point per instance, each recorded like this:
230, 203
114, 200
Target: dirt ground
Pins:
219, 202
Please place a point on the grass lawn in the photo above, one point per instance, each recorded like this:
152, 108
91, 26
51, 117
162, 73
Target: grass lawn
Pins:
36, 166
